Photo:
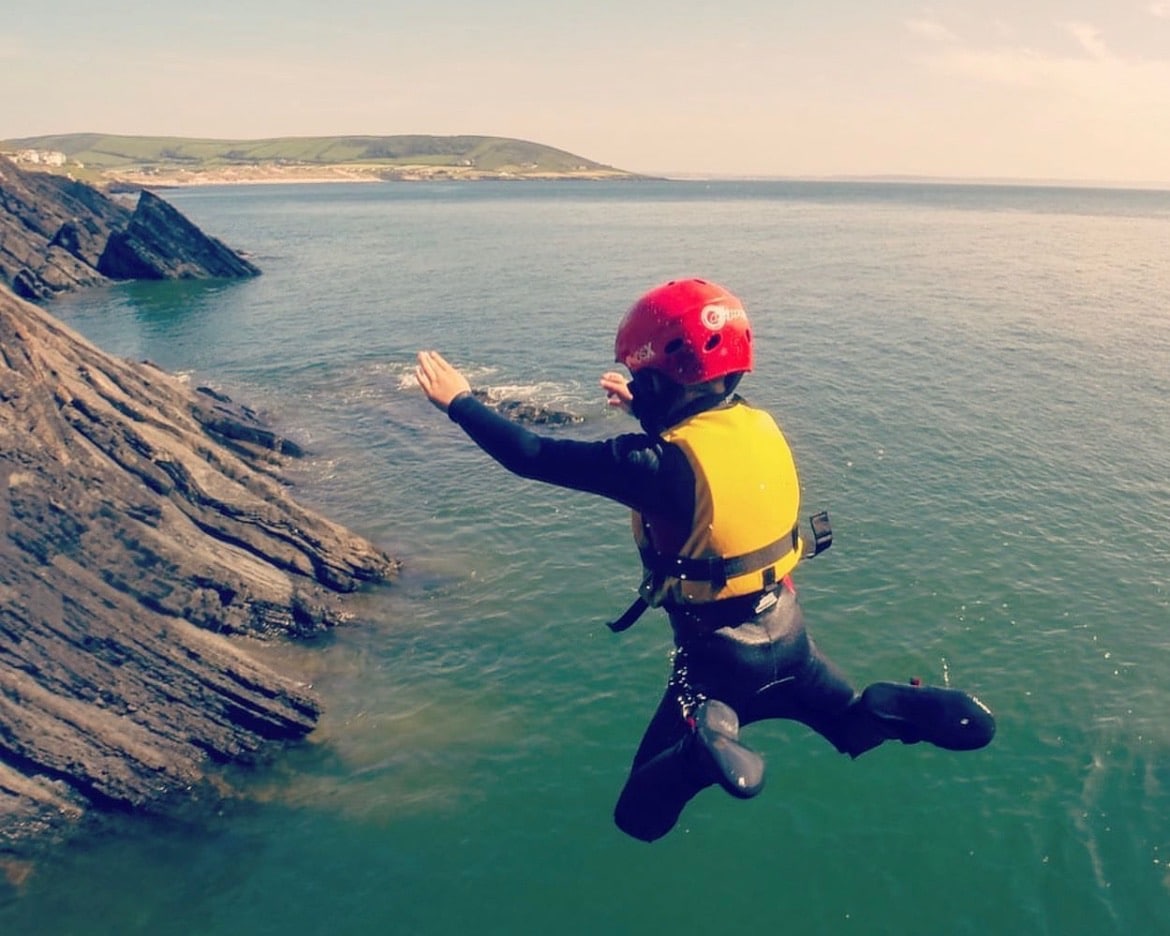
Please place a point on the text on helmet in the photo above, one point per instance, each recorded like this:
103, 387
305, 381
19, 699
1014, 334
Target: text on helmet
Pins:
715, 316
640, 355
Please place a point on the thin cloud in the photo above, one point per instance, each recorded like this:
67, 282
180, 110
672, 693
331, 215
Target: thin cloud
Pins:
932, 30
1089, 37
1160, 8
1093, 70
1100, 80
1020, 66
1005, 30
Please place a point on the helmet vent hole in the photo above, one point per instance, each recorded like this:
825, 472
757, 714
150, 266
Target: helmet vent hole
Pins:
712, 343
673, 347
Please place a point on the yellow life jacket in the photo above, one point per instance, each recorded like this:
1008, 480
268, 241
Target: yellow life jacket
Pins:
744, 535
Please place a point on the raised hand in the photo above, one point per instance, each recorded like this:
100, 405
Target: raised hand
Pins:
617, 390
440, 380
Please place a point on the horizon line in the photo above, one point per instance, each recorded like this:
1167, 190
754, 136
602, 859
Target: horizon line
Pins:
912, 178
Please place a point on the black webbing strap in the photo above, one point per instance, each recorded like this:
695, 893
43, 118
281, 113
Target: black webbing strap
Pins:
629, 616
716, 569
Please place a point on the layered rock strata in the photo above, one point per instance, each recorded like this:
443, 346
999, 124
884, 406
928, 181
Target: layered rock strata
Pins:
141, 524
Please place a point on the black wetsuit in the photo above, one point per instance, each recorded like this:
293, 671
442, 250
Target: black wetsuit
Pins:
764, 665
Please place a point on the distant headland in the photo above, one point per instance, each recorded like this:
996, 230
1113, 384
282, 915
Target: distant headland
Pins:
117, 162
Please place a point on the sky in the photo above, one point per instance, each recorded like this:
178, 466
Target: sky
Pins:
1052, 90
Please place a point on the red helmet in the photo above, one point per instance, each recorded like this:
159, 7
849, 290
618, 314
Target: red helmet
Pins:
688, 330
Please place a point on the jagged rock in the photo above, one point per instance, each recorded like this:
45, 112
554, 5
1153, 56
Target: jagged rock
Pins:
57, 234
526, 411
160, 243
140, 523
28, 285
239, 427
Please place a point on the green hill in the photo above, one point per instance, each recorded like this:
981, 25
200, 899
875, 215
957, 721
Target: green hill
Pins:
116, 155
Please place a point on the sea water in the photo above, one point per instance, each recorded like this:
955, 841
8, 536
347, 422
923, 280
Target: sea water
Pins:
974, 380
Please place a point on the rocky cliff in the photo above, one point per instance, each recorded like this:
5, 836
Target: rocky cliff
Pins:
57, 234
141, 523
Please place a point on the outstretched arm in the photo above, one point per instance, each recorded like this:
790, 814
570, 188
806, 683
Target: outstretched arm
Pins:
627, 469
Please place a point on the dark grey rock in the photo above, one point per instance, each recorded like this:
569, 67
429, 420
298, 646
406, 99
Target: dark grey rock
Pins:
526, 411
57, 234
160, 243
142, 524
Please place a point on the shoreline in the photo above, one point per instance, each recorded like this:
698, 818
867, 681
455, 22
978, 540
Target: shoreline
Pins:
122, 181
278, 175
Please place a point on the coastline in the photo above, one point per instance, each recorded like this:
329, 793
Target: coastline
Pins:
133, 181
310, 174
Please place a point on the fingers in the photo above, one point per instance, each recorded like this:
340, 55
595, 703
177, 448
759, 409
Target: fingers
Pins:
439, 379
613, 381
432, 363
617, 389
429, 373
424, 370
432, 367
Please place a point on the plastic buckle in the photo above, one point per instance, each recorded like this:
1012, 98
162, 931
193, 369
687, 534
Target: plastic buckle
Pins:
822, 532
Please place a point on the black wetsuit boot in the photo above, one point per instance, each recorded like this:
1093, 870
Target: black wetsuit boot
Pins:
710, 753
739, 770
946, 718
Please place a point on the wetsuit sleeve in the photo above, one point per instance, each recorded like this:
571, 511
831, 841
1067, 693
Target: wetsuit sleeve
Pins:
636, 470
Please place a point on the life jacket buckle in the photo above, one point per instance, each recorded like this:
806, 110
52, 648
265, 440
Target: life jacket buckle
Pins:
822, 531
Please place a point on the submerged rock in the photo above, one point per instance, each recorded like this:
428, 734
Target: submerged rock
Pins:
527, 411
141, 522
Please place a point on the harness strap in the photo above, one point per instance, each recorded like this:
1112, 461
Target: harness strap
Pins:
629, 616
717, 569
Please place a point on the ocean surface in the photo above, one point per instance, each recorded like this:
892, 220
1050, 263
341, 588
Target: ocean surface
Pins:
975, 382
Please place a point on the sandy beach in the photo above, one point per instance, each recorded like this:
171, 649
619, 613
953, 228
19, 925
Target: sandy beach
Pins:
262, 174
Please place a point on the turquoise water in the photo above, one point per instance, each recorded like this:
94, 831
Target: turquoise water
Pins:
974, 380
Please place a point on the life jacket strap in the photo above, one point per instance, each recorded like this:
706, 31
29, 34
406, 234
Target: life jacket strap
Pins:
822, 537
629, 617
718, 569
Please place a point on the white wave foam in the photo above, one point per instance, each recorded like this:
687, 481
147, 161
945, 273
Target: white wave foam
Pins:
403, 373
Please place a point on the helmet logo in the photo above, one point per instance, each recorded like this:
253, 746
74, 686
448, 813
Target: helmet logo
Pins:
640, 355
715, 316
